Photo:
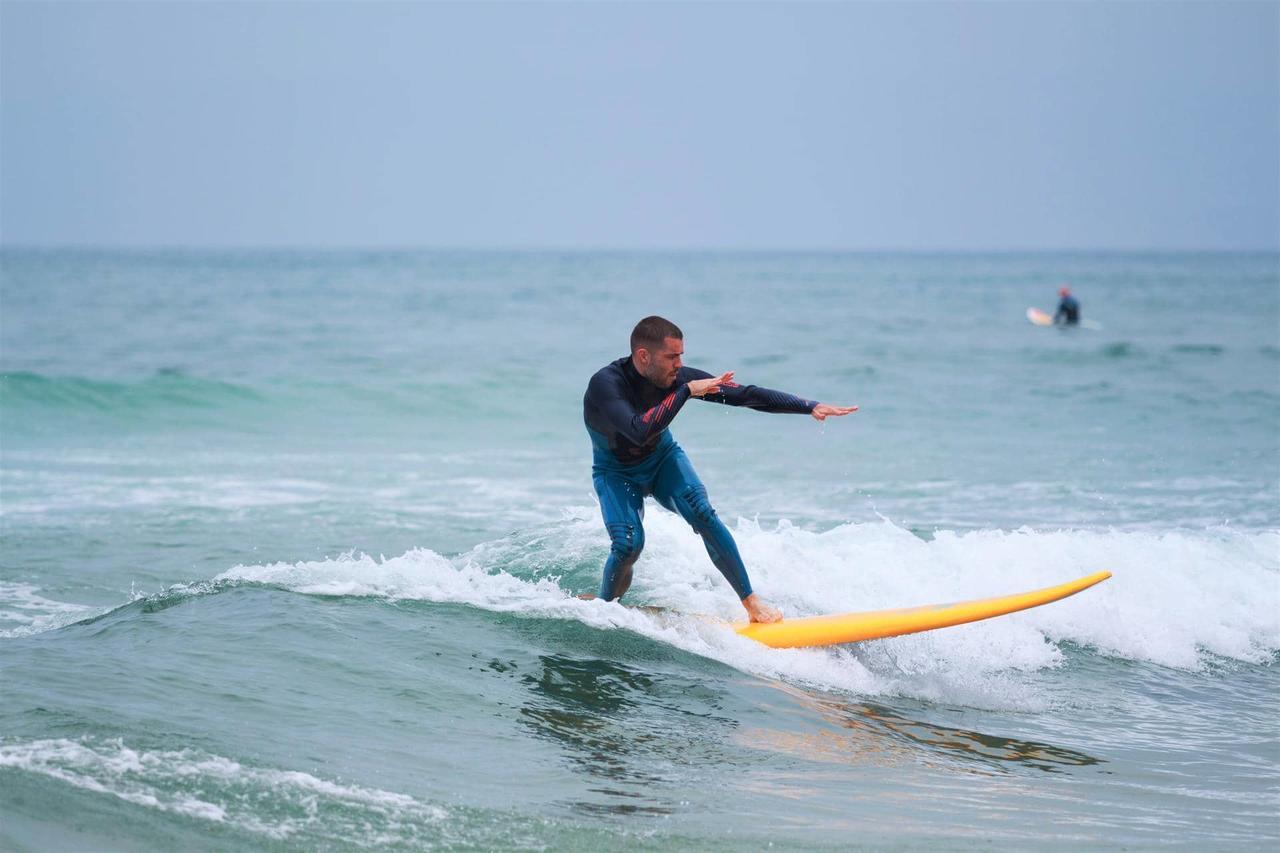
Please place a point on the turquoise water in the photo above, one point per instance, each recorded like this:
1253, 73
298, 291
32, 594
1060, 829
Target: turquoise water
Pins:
291, 542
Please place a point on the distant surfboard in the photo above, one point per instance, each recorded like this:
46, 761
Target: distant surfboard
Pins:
875, 625
1041, 318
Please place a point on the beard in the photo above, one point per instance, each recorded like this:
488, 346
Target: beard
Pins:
659, 376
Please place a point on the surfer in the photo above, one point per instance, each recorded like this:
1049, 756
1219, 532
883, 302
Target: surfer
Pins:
1068, 313
628, 406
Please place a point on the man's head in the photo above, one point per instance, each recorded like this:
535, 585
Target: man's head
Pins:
657, 346
1064, 291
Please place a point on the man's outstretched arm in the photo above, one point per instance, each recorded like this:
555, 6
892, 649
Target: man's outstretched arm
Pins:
730, 393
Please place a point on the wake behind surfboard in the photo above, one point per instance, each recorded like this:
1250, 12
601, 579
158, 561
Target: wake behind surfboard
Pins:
875, 625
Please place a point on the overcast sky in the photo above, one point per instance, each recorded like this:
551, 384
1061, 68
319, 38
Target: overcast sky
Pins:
608, 125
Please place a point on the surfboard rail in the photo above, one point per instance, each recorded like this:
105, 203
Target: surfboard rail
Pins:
878, 624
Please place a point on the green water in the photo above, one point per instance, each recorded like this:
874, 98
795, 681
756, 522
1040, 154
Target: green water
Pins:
290, 544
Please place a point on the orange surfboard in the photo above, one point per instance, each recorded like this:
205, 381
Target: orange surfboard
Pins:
875, 625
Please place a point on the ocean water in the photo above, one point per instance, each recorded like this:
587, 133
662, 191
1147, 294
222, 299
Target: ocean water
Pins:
291, 545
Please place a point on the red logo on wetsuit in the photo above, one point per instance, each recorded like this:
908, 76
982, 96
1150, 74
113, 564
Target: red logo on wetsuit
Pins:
659, 409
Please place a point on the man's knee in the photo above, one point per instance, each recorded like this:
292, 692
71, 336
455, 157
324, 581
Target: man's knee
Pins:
696, 508
626, 542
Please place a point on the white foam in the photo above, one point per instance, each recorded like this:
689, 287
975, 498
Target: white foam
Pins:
1175, 598
221, 790
418, 574
23, 611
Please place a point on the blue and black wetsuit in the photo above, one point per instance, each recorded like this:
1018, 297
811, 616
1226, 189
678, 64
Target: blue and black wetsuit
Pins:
634, 455
1068, 313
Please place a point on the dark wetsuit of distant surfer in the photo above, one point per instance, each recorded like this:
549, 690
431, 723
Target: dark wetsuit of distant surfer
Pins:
627, 408
1068, 313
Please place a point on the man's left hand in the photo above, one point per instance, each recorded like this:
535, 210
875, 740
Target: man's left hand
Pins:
822, 411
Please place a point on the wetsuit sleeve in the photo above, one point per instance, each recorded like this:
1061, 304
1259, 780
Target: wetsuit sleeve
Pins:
753, 396
635, 426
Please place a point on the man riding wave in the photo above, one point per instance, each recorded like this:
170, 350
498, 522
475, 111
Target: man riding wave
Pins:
627, 408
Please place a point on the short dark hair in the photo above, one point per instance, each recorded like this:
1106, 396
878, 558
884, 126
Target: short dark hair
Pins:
652, 332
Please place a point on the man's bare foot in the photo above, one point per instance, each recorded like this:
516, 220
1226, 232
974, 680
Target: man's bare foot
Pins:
587, 596
758, 611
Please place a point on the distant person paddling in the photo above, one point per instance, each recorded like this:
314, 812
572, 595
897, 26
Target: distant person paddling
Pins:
1068, 313
627, 408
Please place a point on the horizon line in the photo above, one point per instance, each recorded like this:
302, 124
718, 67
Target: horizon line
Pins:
639, 249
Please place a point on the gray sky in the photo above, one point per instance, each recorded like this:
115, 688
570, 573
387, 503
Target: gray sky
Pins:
610, 125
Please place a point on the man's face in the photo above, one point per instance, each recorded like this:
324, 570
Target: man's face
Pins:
661, 366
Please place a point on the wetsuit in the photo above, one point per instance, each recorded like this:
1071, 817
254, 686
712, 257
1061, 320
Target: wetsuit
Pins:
1068, 311
634, 455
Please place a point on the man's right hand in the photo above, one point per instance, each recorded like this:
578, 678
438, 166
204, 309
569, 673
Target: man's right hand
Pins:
822, 411
702, 387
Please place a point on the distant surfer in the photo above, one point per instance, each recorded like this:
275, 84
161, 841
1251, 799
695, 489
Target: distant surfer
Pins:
1068, 313
628, 406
